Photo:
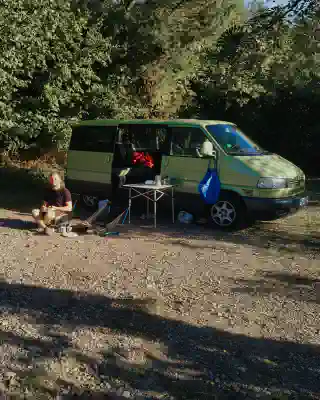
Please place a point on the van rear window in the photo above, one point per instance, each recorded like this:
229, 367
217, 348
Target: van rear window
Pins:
98, 139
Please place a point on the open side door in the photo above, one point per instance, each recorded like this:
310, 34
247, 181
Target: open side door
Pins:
91, 154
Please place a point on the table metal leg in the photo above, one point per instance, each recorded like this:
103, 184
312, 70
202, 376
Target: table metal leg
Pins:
172, 203
129, 210
148, 208
155, 207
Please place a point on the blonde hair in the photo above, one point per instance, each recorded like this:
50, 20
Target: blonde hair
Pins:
56, 174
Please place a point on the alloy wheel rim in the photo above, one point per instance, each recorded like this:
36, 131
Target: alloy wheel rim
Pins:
223, 213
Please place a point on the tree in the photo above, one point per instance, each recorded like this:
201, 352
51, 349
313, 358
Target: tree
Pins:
268, 82
69, 59
48, 50
78, 59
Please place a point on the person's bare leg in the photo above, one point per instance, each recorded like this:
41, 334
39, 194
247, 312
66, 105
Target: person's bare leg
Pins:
37, 217
48, 220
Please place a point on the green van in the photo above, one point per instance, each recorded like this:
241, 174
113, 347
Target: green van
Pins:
254, 182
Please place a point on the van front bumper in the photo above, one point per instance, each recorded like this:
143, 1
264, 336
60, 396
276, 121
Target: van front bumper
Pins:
268, 209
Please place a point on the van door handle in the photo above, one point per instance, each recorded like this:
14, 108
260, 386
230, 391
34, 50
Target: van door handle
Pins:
107, 159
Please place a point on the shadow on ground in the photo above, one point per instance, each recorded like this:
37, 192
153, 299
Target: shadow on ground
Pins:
197, 362
17, 223
293, 286
261, 236
285, 241
22, 190
313, 190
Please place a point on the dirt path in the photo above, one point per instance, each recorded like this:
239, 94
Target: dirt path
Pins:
171, 315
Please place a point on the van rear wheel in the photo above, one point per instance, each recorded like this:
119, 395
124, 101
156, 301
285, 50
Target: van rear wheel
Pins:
89, 201
229, 212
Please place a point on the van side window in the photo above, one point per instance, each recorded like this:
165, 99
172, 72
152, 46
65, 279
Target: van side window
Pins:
148, 137
186, 141
98, 139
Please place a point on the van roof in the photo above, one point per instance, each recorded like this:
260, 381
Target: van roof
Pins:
190, 122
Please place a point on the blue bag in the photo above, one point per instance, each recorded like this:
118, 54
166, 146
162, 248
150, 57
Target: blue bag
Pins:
209, 187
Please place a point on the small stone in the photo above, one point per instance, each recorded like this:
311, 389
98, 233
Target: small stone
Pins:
126, 394
10, 374
9, 378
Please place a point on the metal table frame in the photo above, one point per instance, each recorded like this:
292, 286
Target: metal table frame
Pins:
152, 193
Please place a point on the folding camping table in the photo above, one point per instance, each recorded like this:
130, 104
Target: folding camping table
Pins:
152, 193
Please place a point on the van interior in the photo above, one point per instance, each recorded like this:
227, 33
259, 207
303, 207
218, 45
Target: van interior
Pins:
138, 153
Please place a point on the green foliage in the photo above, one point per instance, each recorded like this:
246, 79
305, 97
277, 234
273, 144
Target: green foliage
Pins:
49, 54
268, 82
66, 60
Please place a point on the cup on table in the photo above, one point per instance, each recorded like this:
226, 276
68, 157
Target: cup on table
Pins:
158, 180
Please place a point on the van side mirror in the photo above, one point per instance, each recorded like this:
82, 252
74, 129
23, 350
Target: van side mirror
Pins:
212, 154
207, 149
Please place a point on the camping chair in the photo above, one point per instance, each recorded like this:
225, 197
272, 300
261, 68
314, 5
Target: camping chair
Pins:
109, 228
88, 223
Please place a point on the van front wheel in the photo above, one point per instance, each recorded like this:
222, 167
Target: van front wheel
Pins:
229, 212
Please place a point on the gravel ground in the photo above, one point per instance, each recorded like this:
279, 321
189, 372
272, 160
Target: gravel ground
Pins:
182, 313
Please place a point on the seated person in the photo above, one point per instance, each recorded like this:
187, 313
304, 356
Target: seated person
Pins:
56, 206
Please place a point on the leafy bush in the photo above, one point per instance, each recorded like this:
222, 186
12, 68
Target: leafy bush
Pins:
62, 61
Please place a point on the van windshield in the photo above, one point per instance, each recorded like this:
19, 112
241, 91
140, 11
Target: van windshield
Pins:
233, 141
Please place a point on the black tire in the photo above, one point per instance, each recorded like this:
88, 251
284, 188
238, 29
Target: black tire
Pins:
229, 213
89, 201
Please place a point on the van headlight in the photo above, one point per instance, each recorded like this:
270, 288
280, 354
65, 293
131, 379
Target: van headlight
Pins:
272, 183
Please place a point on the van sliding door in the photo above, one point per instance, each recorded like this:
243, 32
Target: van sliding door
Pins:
90, 155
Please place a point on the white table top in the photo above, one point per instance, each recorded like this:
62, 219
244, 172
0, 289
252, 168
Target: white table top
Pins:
150, 187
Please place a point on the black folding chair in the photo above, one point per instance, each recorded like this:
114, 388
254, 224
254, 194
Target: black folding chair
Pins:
89, 222
110, 227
